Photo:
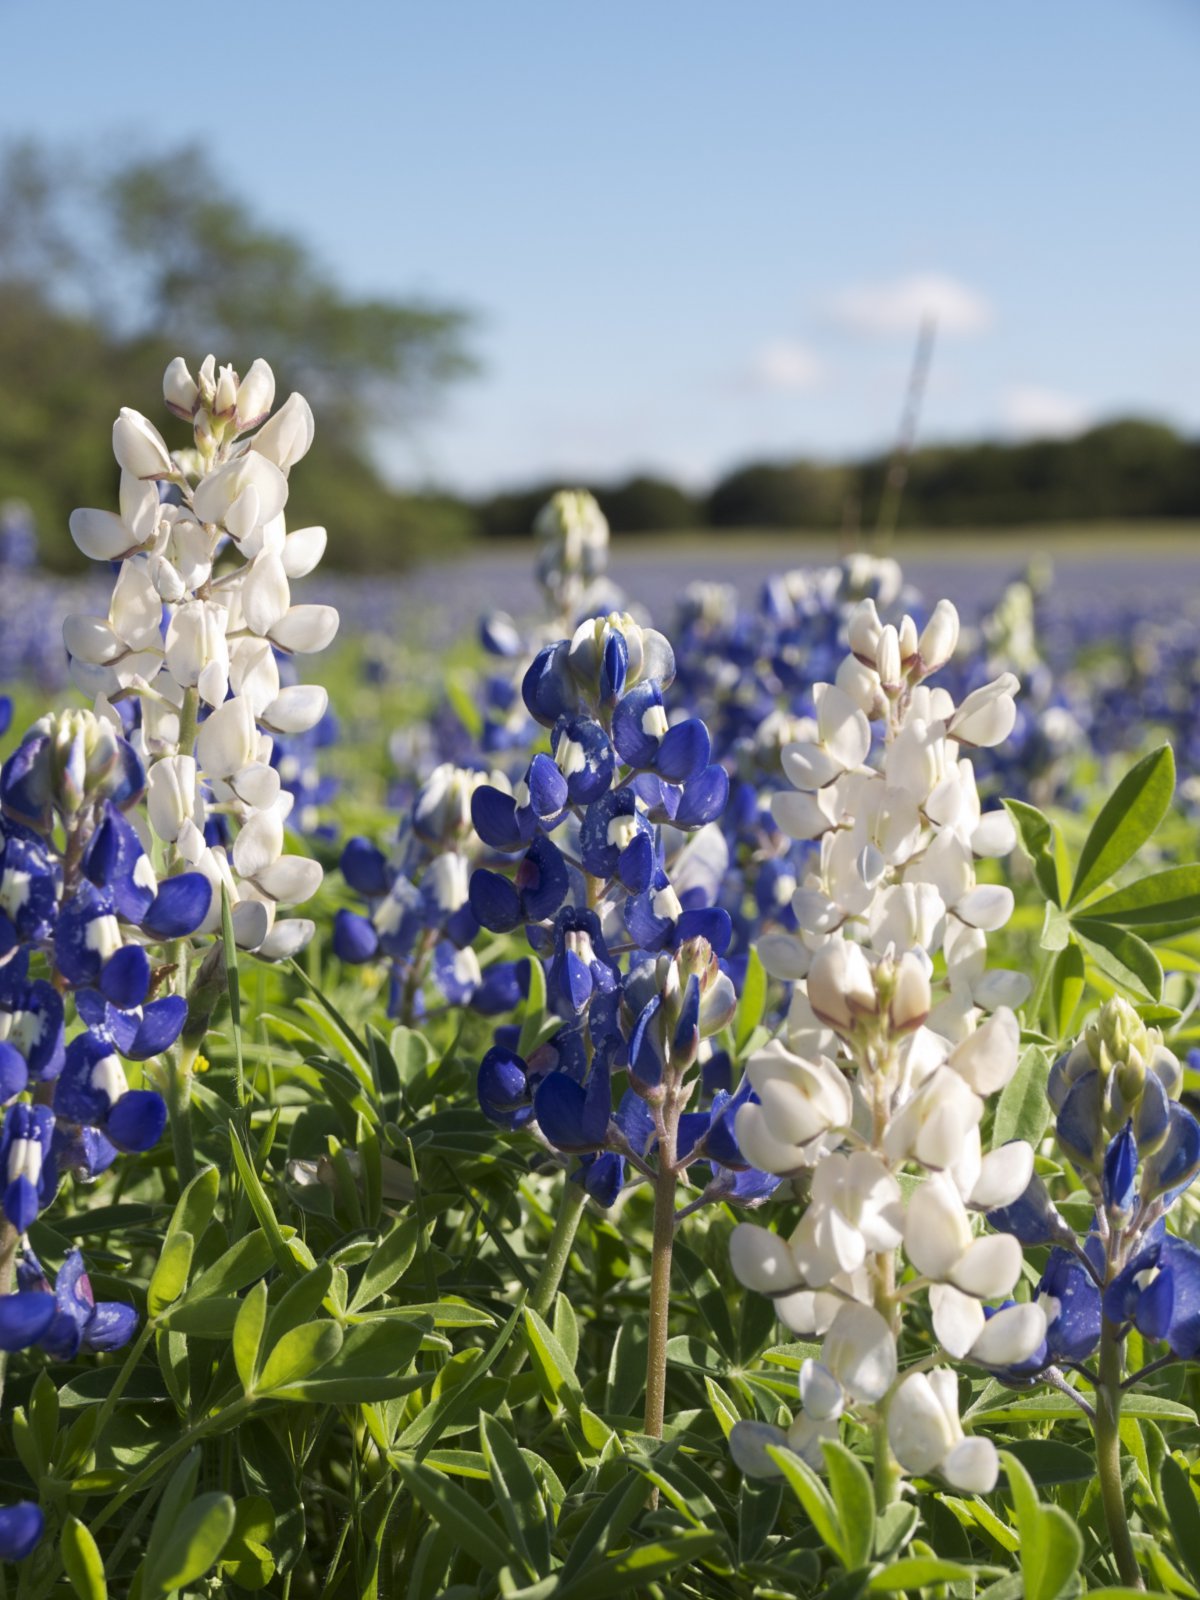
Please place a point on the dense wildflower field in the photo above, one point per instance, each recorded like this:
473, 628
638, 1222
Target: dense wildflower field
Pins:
595, 1102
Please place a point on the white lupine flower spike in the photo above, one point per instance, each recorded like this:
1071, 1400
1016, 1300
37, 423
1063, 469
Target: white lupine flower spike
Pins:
874, 1096
201, 616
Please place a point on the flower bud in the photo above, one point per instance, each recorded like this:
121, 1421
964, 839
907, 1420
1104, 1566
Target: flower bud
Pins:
939, 637
179, 389
255, 396
863, 631
841, 987
225, 398
287, 436
139, 447
887, 659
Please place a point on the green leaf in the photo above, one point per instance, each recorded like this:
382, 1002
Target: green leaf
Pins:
1172, 896
1124, 958
463, 1518
1022, 1111
1050, 1407
170, 1273
263, 1210
1051, 1545
518, 1497
1037, 835
194, 1208
854, 1498
1179, 1503
535, 1009
1049, 1462
643, 1565
81, 1558
1066, 987
240, 1265
247, 1335
551, 1362
607, 1524
626, 1368
815, 1498
189, 1545
914, 1572
247, 1557
301, 1350
1128, 818
390, 1261
752, 1003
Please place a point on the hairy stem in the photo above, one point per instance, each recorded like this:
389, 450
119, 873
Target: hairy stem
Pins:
1108, 1455
541, 1297
665, 1183
887, 1470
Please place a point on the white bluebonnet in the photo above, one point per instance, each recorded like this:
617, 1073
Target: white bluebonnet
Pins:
882, 1071
200, 617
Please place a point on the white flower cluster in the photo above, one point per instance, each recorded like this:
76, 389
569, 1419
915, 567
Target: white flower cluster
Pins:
201, 612
883, 1068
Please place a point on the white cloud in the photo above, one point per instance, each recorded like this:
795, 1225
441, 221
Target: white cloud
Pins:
1034, 412
899, 306
784, 364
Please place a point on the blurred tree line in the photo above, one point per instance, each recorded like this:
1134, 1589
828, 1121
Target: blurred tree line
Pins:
1122, 470
109, 270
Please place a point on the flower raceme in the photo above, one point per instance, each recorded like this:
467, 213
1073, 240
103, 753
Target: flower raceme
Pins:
187, 660
883, 1069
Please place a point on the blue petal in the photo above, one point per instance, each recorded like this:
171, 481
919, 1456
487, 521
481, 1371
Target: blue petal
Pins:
1173, 1166
543, 880
502, 987
684, 751
594, 776
547, 787
354, 938
180, 906
704, 798
24, 1318
365, 868
645, 1059
1075, 1331
635, 864
548, 688
494, 900
559, 1104
494, 814
137, 1120
1182, 1262
635, 1120
710, 923
1120, 1170
21, 1526
162, 1023
14, 1073
635, 746
125, 978
1079, 1127
614, 667
602, 1176
112, 1325
1032, 1218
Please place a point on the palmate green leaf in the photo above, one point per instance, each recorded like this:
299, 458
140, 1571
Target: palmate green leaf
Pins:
1128, 818
1183, 1513
816, 1500
518, 1496
1051, 1545
752, 1004
1122, 957
1038, 840
432, 1420
82, 1560
1170, 897
1022, 1111
471, 1527
854, 1498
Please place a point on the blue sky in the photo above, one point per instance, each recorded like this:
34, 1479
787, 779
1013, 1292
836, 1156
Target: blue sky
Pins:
697, 233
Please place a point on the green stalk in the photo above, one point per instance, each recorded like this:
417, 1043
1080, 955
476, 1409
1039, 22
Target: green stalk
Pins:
1108, 1455
8, 1264
887, 1469
665, 1183
541, 1297
182, 1057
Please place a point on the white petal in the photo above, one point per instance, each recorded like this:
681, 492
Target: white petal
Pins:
1012, 1335
265, 593
748, 1442
989, 1266
860, 1350
258, 844
306, 629
100, 534
972, 1466
958, 1319
820, 1392
1004, 1175
761, 1260
296, 709
288, 937
302, 551
291, 879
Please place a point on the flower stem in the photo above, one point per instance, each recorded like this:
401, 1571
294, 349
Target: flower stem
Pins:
541, 1297
8, 1264
887, 1470
179, 1109
1108, 1456
665, 1183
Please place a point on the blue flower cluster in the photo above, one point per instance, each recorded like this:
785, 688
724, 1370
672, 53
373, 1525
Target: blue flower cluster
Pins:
636, 987
1136, 1150
81, 911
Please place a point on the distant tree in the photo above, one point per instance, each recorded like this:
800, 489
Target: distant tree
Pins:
106, 272
649, 505
800, 494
